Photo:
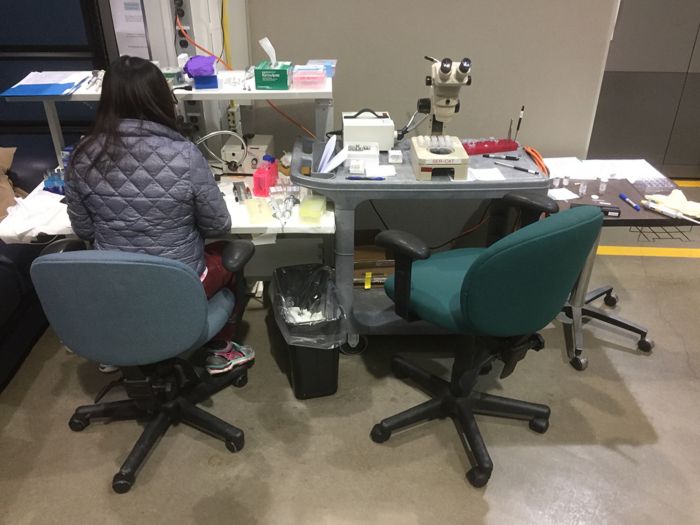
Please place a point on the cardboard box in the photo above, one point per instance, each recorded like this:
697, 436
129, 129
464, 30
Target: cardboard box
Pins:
269, 77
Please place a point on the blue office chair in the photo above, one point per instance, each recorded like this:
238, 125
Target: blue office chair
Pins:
499, 297
148, 315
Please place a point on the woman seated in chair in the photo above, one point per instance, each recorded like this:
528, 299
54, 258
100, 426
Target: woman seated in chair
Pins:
136, 184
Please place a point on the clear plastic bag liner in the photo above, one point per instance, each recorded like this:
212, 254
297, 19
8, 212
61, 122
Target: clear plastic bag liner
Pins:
306, 306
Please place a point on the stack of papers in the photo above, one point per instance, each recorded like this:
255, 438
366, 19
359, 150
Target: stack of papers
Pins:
632, 170
42, 83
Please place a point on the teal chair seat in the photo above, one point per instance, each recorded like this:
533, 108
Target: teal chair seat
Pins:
435, 286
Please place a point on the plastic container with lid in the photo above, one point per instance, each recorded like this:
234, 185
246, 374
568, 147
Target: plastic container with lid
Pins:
309, 76
327, 63
265, 176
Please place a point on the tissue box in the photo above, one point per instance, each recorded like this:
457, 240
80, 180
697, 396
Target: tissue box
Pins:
269, 77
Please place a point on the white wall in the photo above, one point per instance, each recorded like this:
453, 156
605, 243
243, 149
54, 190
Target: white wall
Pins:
546, 54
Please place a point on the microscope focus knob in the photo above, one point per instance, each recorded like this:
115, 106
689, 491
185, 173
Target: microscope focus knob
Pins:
469, 80
428, 80
465, 65
424, 105
446, 66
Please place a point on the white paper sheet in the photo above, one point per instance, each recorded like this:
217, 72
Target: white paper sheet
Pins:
571, 167
383, 170
562, 194
485, 174
337, 160
327, 153
632, 170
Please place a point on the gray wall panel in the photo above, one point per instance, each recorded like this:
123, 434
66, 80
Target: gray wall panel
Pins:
654, 35
684, 147
548, 55
695, 62
635, 115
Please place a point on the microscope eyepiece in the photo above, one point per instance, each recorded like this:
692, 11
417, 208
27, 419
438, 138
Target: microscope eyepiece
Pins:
446, 66
465, 65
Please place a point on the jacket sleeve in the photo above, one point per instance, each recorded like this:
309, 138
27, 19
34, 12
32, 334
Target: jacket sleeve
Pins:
210, 212
80, 218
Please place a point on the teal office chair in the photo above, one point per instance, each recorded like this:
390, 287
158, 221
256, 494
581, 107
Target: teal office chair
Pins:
148, 315
499, 297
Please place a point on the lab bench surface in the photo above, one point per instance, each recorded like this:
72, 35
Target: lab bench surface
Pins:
375, 315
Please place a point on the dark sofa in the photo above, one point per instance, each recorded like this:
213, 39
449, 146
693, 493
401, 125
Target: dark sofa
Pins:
22, 320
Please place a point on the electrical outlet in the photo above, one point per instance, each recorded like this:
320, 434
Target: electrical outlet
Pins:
233, 117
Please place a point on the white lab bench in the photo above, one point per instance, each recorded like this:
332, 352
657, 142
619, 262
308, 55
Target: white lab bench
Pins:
322, 97
278, 243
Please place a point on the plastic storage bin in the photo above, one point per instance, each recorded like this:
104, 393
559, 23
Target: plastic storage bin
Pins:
309, 317
309, 76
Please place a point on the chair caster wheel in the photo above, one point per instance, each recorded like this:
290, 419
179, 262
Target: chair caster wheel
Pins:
379, 434
241, 381
539, 425
360, 347
78, 424
537, 342
645, 345
235, 445
478, 477
486, 369
121, 483
579, 363
610, 299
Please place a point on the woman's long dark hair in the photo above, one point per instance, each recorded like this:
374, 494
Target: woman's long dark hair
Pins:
132, 88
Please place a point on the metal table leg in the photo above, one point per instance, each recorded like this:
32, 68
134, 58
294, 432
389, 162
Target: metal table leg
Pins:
345, 265
577, 308
55, 129
324, 117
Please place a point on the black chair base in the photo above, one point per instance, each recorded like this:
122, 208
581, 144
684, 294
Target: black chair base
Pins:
161, 415
461, 404
574, 330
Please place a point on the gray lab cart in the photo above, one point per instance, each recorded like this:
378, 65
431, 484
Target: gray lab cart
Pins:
370, 311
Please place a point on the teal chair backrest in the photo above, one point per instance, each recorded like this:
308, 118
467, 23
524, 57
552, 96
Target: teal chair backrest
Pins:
520, 283
120, 308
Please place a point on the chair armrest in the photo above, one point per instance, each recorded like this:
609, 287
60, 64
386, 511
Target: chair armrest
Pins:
236, 255
64, 245
406, 248
403, 243
531, 203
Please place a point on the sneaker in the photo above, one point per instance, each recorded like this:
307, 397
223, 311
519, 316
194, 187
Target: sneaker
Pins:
219, 362
107, 369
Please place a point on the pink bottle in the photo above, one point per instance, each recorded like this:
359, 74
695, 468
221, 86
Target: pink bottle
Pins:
262, 178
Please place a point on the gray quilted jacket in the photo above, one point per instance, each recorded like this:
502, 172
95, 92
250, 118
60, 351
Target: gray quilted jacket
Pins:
157, 196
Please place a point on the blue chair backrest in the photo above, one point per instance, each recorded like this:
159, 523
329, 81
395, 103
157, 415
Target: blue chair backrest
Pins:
521, 282
121, 308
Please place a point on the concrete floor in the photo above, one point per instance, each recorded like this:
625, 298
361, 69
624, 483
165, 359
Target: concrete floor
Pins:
622, 446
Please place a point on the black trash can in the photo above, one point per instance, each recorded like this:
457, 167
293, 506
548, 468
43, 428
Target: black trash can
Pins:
309, 317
